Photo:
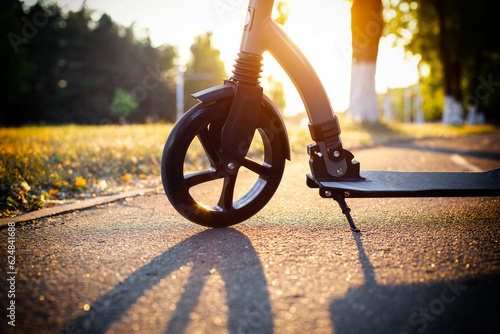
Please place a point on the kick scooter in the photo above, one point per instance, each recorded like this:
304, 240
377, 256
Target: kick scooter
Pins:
229, 117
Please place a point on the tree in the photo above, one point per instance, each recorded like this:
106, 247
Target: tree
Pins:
276, 93
204, 70
366, 26
123, 103
68, 68
16, 68
283, 9
457, 41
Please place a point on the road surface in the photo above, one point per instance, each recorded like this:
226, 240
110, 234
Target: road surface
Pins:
425, 265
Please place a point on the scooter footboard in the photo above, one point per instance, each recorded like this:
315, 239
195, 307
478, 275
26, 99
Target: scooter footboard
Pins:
412, 184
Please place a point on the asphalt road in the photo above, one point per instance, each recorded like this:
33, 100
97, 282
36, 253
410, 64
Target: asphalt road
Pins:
425, 265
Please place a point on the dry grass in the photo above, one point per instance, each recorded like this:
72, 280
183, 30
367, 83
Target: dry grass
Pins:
46, 165
365, 135
42, 166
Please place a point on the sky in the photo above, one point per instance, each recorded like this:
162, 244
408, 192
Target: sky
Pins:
321, 29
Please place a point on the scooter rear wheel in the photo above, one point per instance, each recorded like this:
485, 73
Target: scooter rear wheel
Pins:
215, 194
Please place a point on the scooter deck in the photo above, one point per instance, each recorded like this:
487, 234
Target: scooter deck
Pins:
412, 184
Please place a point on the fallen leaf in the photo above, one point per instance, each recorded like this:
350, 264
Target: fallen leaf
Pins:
81, 182
12, 202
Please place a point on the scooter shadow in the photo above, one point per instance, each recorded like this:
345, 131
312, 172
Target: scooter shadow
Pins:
465, 305
228, 251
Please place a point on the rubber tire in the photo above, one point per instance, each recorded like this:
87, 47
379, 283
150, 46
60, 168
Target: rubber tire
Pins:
196, 120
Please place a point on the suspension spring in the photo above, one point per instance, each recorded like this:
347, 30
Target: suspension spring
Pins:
247, 69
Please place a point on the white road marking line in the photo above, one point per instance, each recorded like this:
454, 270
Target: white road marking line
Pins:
459, 160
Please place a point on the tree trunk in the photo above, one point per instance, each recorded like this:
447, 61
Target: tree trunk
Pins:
366, 27
363, 106
452, 113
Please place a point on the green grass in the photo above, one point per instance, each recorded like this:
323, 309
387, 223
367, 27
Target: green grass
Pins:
42, 166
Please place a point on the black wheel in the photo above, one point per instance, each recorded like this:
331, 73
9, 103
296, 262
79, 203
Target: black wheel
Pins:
215, 194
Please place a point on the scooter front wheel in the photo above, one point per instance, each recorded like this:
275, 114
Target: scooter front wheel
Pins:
213, 193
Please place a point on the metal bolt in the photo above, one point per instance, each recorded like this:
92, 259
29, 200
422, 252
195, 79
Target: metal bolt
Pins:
328, 193
336, 154
340, 171
231, 165
347, 194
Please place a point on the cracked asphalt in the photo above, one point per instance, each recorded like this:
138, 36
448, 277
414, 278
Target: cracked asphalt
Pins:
419, 265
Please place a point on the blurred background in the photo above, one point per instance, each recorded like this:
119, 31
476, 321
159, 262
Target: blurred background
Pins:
74, 71
102, 62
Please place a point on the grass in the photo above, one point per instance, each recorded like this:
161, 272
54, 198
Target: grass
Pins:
44, 166
41, 166
366, 135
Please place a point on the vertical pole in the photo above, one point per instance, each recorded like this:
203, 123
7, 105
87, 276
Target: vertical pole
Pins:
179, 91
407, 105
387, 107
419, 112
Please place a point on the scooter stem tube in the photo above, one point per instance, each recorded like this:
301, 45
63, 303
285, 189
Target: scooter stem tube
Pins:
262, 34
259, 13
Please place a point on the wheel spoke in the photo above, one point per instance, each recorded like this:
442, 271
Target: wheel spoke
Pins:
264, 170
226, 197
195, 179
209, 145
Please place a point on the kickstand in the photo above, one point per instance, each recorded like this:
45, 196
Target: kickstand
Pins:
346, 211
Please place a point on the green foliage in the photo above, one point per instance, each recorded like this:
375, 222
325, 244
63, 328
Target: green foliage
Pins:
432, 91
458, 41
283, 9
77, 65
16, 68
415, 25
276, 93
204, 70
123, 103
